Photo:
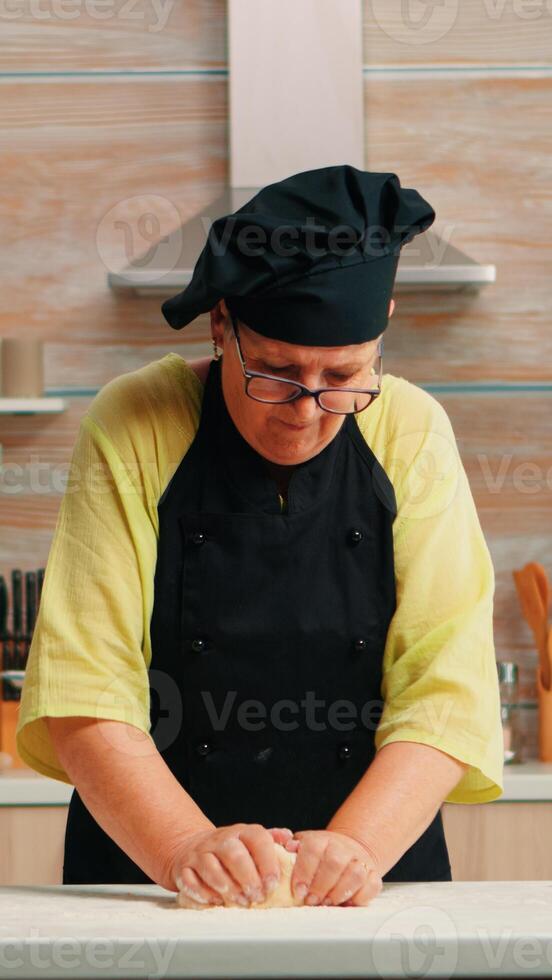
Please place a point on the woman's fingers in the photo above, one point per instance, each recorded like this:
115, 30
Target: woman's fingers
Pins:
333, 868
191, 885
356, 886
217, 879
327, 874
309, 855
369, 891
258, 883
237, 862
246, 864
281, 835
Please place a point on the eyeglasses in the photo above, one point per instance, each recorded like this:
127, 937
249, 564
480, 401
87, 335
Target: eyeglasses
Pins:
270, 389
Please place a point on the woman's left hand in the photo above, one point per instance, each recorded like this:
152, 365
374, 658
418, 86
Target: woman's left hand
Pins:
333, 867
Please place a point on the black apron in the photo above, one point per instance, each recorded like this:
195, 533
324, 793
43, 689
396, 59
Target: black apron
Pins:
268, 631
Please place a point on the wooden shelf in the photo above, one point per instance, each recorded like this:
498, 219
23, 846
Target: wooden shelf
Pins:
32, 406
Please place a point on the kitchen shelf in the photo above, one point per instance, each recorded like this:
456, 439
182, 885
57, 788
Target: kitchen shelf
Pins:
32, 406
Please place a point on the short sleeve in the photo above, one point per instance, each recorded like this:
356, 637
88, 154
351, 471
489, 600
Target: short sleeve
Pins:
440, 683
90, 647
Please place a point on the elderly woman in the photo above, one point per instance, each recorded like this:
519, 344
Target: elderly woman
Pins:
267, 610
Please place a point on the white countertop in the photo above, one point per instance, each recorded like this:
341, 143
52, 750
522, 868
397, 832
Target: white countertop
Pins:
428, 929
527, 781
24, 787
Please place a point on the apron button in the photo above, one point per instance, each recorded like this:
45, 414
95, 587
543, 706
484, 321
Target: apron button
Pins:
198, 645
203, 748
355, 535
344, 751
198, 537
360, 644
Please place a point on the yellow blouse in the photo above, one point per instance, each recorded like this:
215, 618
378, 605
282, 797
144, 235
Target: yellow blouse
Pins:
91, 650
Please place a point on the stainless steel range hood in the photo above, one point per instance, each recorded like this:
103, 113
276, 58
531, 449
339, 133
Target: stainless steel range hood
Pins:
296, 103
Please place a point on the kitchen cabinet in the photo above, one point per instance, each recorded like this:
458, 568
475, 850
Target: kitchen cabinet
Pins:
32, 844
33, 814
499, 841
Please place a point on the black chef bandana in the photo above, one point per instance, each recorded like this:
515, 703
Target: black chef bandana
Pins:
309, 260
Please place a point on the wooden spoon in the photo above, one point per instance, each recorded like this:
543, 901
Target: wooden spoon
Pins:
543, 586
549, 651
541, 578
535, 613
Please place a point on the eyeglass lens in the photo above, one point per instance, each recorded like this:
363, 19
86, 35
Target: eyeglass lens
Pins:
333, 401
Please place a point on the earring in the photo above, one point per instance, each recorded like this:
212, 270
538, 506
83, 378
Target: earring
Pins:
216, 350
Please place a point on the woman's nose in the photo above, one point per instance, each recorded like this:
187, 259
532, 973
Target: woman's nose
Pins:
305, 409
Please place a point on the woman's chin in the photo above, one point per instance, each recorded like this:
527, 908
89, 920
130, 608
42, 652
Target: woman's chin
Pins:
290, 454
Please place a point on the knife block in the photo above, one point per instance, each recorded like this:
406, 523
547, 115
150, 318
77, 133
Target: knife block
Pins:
544, 720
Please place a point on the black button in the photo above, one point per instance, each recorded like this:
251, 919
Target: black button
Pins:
203, 748
198, 537
199, 645
344, 751
355, 535
360, 644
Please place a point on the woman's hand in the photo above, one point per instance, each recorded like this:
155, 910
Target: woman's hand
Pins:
333, 868
238, 861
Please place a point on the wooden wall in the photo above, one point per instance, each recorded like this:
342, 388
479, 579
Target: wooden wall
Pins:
96, 113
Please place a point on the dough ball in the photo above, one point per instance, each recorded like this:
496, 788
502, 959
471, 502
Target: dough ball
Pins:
280, 898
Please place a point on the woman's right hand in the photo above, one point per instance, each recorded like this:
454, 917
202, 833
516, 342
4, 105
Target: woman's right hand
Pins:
238, 862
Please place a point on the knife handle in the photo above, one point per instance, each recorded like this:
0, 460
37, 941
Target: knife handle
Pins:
17, 602
3, 607
30, 602
39, 581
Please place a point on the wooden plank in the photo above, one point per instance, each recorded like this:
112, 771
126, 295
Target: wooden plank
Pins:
445, 139
469, 32
136, 36
192, 35
104, 168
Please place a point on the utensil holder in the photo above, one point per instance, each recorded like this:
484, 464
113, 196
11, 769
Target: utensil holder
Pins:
14, 652
22, 367
544, 720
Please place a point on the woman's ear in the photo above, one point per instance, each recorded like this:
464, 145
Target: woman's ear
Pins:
391, 307
218, 321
